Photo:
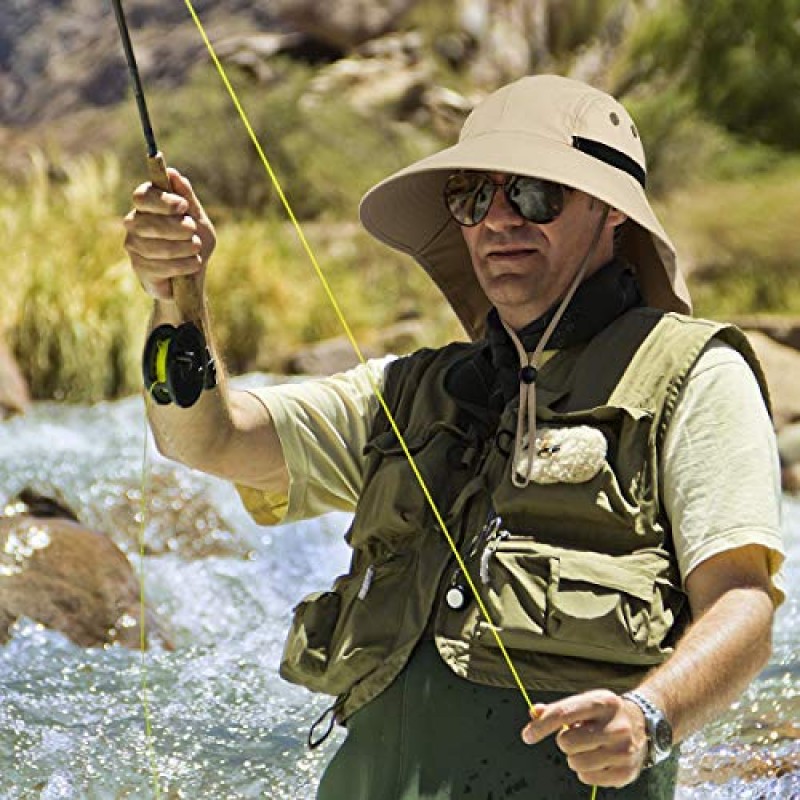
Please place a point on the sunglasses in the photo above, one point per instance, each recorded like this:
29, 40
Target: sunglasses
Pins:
469, 195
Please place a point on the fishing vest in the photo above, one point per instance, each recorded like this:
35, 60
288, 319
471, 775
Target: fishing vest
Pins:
576, 570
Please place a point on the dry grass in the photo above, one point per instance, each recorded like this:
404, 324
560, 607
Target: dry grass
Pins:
70, 305
741, 242
75, 316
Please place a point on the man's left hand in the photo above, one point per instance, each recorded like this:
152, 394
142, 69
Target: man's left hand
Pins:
602, 735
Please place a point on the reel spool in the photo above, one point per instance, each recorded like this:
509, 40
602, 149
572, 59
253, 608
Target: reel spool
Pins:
176, 365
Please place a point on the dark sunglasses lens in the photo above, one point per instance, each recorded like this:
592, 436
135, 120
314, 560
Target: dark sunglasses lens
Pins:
537, 200
468, 196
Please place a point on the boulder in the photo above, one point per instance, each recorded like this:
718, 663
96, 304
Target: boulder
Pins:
58, 56
390, 73
336, 355
255, 53
518, 37
344, 24
782, 367
393, 76
783, 329
67, 577
326, 357
789, 450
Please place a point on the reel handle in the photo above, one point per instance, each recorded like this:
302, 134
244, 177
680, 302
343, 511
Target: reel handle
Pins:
185, 290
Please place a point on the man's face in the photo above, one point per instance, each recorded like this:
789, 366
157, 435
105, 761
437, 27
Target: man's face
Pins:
525, 268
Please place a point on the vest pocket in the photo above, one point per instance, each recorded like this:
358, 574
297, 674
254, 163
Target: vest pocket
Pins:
609, 608
618, 609
393, 502
308, 644
339, 637
517, 597
608, 509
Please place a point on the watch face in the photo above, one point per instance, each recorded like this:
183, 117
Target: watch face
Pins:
662, 738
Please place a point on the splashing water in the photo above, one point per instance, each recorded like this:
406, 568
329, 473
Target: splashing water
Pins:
224, 724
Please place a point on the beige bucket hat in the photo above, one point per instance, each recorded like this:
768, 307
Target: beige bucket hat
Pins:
543, 126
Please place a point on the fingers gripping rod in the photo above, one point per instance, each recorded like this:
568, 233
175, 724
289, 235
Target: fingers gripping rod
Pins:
176, 364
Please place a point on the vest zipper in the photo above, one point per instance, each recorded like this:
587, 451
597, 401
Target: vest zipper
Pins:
486, 533
367, 582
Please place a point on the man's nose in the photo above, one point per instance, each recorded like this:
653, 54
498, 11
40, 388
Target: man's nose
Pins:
501, 213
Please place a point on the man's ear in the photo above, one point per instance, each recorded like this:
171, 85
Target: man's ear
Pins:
616, 218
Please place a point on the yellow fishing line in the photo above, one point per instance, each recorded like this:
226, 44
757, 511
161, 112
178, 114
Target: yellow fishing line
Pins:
348, 332
343, 322
145, 688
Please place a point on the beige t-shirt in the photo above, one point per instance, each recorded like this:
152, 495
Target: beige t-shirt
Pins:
720, 470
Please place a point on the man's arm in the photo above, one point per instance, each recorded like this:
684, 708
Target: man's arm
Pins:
726, 648
226, 433
603, 735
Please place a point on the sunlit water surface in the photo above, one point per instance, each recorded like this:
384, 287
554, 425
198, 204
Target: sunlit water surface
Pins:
222, 723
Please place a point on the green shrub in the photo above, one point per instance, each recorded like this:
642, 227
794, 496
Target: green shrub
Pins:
72, 306
736, 59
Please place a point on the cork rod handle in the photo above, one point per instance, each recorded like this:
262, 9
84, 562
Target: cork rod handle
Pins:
185, 290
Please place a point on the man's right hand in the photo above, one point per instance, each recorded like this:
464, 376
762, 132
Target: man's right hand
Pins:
168, 235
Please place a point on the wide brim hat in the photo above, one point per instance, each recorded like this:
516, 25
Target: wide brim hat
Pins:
544, 126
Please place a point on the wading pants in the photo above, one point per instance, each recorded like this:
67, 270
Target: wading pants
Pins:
434, 736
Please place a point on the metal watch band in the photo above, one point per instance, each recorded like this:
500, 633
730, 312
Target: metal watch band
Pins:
659, 731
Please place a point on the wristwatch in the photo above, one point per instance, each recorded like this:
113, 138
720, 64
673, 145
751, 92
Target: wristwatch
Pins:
659, 731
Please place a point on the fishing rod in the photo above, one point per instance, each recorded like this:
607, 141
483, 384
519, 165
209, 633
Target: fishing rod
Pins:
161, 353
176, 363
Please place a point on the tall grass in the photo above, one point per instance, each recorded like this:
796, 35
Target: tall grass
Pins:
70, 305
75, 315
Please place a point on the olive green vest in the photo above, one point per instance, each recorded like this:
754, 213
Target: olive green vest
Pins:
578, 575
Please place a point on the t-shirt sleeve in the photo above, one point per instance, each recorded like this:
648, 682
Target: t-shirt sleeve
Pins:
720, 470
323, 425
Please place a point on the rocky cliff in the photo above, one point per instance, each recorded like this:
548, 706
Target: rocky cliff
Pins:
61, 56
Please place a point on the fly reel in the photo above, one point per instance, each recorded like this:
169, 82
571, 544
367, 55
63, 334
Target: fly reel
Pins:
177, 365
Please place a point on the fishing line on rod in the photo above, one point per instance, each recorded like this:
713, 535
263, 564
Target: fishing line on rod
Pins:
349, 333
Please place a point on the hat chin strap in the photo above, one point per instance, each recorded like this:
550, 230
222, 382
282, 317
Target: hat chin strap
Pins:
521, 473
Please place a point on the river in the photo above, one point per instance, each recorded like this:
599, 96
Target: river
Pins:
223, 725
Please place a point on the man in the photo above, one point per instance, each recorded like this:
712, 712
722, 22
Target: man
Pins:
604, 464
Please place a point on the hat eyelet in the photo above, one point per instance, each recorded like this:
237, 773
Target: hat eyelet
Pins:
614, 117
